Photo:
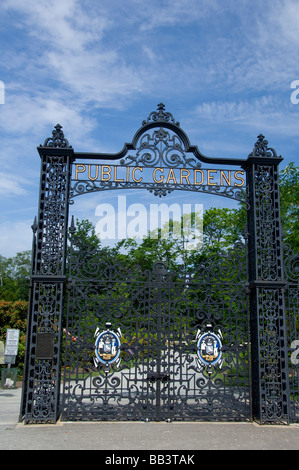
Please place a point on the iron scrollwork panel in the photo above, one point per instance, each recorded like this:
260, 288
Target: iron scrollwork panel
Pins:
52, 224
219, 299
43, 375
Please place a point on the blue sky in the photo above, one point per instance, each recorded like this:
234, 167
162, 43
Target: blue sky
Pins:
223, 68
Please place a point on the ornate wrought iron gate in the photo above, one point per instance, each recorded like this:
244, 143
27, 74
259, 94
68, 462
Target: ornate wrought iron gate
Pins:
163, 315
158, 374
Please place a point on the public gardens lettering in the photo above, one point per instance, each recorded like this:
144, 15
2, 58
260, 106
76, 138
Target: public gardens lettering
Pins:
159, 175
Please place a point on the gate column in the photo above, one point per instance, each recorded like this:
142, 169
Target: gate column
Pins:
270, 399
41, 383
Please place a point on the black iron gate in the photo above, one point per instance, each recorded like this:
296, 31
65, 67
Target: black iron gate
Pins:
173, 325
158, 318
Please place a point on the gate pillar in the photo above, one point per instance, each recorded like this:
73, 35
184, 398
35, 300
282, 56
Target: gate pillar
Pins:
266, 281
41, 382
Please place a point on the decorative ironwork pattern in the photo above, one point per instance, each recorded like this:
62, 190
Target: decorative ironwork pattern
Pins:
160, 116
158, 313
261, 148
51, 240
161, 189
268, 322
268, 236
273, 373
160, 148
57, 139
44, 373
43, 351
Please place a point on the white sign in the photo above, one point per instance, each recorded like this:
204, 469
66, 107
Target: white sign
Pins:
12, 342
2, 359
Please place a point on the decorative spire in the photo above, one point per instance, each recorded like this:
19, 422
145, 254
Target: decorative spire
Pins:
57, 139
72, 228
160, 116
261, 148
34, 225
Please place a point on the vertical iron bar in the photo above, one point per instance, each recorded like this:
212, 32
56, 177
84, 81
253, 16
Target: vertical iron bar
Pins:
159, 345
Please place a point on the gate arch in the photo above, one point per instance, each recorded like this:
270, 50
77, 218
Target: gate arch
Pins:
159, 145
163, 160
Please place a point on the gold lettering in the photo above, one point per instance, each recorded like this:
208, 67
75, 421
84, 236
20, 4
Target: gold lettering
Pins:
227, 179
115, 178
195, 178
154, 175
104, 172
97, 172
186, 177
128, 173
238, 178
79, 171
211, 177
133, 174
171, 176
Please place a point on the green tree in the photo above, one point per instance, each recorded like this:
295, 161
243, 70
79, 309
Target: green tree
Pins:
222, 228
289, 204
15, 276
84, 235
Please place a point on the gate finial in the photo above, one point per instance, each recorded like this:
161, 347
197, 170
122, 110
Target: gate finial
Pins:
161, 116
57, 139
261, 148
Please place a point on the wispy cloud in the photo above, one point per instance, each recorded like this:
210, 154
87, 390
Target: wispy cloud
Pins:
92, 55
10, 187
15, 236
99, 68
157, 14
241, 111
71, 49
264, 113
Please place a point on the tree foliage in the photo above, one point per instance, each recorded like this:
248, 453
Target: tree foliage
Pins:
289, 204
15, 276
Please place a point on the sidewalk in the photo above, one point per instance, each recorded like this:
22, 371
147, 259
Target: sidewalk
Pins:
106, 436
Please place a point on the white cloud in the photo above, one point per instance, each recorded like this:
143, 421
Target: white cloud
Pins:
15, 237
242, 110
68, 62
223, 68
265, 113
63, 24
33, 117
12, 186
100, 55
97, 79
282, 20
156, 14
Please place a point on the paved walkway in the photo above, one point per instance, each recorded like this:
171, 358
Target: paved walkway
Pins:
139, 436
